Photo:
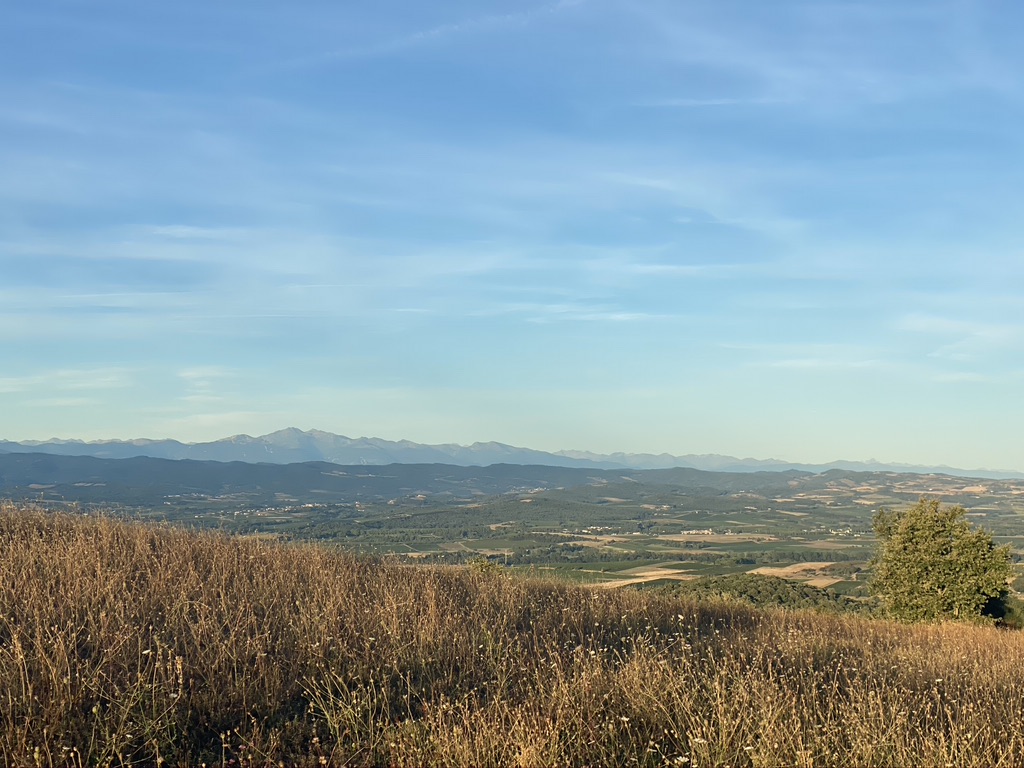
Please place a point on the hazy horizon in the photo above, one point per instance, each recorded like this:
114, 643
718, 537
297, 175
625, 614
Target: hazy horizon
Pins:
757, 230
782, 460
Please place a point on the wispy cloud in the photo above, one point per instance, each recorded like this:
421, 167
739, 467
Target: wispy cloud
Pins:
826, 364
830, 52
919, 322
186, 232
681, 270
210, 424
963, 341
62, 402
68, 380
810, 356
549, 315
960, 377
202, 381
473, 25
696, 103
411, 195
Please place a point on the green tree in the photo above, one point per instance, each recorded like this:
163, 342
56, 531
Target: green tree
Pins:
933, 564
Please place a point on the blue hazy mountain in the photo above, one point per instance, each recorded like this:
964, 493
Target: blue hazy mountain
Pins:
290, 446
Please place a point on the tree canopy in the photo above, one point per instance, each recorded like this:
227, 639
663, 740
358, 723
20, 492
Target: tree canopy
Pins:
933, 564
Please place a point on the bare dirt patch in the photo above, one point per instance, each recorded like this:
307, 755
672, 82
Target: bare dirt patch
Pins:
646, 575
791, 571
822, 582
495, 552
598, 541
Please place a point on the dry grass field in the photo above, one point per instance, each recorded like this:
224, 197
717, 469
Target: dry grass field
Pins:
125, 644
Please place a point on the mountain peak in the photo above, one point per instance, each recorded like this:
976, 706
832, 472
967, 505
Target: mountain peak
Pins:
292, 445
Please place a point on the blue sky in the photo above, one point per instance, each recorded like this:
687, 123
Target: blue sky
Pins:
785, 229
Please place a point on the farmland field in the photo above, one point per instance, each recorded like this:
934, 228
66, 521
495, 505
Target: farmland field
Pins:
614, 529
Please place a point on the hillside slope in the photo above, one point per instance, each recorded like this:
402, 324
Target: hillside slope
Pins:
125, 644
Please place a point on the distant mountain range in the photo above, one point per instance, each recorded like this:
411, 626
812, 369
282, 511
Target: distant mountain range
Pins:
290, 446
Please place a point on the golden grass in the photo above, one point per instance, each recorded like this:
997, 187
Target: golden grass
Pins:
125, 644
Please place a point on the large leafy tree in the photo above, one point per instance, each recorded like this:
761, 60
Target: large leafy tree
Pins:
933, 564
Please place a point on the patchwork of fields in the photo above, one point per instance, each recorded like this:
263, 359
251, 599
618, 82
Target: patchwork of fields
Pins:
612, 529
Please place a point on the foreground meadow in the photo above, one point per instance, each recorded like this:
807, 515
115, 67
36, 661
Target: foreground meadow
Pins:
128, 644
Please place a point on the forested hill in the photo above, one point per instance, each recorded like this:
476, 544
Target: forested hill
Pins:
144, 480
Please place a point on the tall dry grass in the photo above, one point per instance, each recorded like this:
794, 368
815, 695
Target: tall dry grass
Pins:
125, 644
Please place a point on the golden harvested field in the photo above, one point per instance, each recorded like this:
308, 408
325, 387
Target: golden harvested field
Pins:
791, 571
821, 582
122, 644
646, 575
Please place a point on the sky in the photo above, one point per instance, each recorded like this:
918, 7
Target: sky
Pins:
769, 229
